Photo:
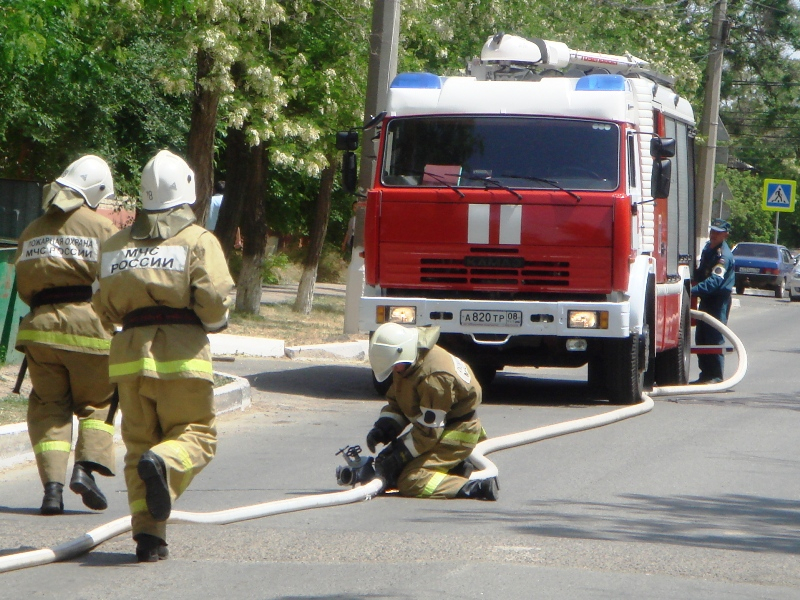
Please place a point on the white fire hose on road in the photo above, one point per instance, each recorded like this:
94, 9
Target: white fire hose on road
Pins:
89, 540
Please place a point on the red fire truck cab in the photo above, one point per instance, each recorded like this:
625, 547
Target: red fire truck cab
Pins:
539, 210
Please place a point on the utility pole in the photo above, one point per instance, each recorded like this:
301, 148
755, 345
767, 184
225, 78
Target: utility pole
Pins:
710, 124
382, 69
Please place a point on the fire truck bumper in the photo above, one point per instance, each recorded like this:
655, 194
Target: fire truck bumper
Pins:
490, 321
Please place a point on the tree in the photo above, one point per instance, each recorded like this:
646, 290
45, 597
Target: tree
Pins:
759, 94
305, 290
749, 222
78, 78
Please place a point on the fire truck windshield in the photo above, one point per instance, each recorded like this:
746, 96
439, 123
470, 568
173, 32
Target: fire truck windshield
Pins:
517, 152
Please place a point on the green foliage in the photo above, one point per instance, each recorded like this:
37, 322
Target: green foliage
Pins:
749, 222
759, 90
117, 78
91, 88
331, 265
269, 268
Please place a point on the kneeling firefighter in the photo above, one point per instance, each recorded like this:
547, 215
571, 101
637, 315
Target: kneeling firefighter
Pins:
437, 394
165, 280
65, 342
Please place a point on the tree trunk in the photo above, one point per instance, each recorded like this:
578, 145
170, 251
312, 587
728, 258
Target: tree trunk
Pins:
230, 213
305, 291
248, 288
200, 150
253, 226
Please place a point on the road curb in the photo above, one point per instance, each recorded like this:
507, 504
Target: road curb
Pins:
15, 445
348, 350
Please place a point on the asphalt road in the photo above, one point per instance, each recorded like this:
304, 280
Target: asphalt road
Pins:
696, 499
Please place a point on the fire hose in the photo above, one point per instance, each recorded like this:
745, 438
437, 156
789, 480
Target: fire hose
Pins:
484, 468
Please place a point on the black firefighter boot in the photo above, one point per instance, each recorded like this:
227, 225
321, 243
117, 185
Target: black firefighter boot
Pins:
150, 548
52, 504
153, 473
480, 489
83, 483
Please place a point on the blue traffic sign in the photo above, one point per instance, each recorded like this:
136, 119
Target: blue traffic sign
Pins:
779, 195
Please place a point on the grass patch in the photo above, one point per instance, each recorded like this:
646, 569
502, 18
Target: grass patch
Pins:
220, 380
13, 409
278, 321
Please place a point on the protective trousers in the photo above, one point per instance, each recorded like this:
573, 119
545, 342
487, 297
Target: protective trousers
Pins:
427, 476
174, 419
712, 366
67, 383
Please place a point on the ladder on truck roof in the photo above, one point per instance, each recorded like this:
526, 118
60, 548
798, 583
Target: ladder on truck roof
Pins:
504, 53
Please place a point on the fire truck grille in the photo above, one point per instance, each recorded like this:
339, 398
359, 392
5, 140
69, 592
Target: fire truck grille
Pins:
494, 271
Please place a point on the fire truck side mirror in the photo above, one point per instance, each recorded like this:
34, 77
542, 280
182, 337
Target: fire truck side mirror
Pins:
662, 147
349, 172
347, 140
662, 173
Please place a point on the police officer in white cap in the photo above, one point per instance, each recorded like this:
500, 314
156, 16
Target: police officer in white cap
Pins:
166, 282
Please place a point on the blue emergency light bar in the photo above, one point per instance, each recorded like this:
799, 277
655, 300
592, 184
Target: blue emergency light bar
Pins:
601, 83
425, 81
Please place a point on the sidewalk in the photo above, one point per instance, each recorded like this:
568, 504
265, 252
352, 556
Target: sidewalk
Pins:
15, 445
231, 345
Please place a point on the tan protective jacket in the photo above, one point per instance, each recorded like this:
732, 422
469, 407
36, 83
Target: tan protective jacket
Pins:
433, 394
186, 270
62, 248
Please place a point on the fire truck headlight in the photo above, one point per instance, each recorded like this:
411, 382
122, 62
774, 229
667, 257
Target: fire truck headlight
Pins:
396, 314
587, 319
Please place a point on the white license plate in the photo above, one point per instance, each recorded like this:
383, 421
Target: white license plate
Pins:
749, 270
493, 318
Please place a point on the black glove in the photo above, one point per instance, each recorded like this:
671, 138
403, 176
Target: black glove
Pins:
390, 462
383, 431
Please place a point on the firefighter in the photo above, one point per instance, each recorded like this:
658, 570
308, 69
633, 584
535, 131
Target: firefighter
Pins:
65, 343
437, 394
166, 282
714, 281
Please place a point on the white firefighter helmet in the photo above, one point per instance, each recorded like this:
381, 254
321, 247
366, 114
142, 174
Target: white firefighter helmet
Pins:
392, 344
167, 181
90, 177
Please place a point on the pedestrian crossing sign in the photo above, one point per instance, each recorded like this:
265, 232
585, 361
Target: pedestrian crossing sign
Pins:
779, 195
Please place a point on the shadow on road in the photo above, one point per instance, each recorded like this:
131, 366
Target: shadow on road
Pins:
343, 382
729, 522
354, 382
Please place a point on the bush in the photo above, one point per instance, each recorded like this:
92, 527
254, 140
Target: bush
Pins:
270, 268
281, 268
331, 267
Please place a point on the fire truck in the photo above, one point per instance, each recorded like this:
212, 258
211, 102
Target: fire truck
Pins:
539, 210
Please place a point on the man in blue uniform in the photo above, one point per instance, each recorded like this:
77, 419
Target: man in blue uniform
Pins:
714, 279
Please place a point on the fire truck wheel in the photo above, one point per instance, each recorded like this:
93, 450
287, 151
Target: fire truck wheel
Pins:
381, 386
624, 379
672, 366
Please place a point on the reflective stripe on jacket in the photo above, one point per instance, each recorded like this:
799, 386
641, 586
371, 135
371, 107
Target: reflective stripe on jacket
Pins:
62, 249
188, 270
433, 393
